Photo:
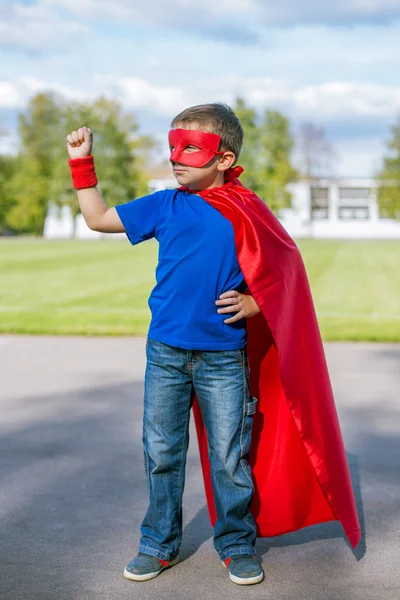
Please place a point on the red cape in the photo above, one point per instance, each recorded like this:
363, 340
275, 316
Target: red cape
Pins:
299, 465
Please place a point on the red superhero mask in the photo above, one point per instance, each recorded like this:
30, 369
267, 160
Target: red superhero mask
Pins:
208, 144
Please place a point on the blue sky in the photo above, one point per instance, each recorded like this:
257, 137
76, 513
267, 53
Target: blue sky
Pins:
336, 65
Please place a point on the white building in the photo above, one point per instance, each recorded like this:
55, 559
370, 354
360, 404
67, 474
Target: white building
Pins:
325, 208
337, 208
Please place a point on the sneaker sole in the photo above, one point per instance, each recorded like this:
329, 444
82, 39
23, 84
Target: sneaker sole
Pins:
146, 576
245, 580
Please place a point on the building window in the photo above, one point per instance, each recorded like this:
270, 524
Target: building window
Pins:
353, 212
351, 193
319, 202
320, 193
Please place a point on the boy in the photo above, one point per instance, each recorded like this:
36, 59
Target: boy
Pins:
190, 346
216, 237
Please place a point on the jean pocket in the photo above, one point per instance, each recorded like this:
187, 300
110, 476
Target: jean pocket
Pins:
251, 406
241, 355
153, 350
247, 430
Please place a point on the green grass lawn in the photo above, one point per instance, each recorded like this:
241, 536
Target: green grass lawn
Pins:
102, 287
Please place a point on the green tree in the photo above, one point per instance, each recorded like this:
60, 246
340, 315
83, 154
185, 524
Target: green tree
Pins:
266, 155
389, 178
250, 156
118, 150
28, 204
8, 166
43, 175
277, 145
29, 188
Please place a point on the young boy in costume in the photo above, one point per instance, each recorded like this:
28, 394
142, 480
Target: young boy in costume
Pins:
225, 339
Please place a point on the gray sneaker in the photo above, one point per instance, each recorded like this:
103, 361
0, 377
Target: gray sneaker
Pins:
244, 569
145, 566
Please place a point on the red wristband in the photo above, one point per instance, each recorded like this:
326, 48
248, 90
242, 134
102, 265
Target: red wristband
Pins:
83, 172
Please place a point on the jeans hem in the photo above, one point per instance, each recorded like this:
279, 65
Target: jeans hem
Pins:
157, 553
237, 550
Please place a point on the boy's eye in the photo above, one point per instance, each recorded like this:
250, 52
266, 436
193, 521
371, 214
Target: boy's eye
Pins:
189, 148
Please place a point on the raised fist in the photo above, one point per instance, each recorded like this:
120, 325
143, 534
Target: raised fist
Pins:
80, 143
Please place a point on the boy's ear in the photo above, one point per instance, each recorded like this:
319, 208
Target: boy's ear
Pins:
226, 161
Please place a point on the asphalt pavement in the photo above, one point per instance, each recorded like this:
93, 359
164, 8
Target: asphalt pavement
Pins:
73, 491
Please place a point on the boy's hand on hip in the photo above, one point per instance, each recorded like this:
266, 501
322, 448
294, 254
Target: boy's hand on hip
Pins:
233, 301
80, 143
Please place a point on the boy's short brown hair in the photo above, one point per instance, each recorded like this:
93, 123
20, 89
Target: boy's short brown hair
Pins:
217, 118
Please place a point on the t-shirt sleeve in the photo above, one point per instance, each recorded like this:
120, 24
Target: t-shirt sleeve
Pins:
140, 217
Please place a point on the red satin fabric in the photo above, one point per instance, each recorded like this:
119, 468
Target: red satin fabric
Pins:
300, 469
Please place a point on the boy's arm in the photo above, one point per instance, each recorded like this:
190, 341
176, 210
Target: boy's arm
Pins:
95, 211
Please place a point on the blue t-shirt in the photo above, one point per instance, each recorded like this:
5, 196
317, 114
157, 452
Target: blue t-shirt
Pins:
196, 263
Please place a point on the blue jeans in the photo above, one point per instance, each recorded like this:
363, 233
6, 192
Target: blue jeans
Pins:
220, 379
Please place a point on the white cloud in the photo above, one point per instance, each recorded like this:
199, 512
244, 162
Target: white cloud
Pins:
9, 96
334, 99
60, 23
63, 22
138, 93
337, 104
329, 101
236, 19
15, 94
37, 26
158, 9
342, 12
257, 12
